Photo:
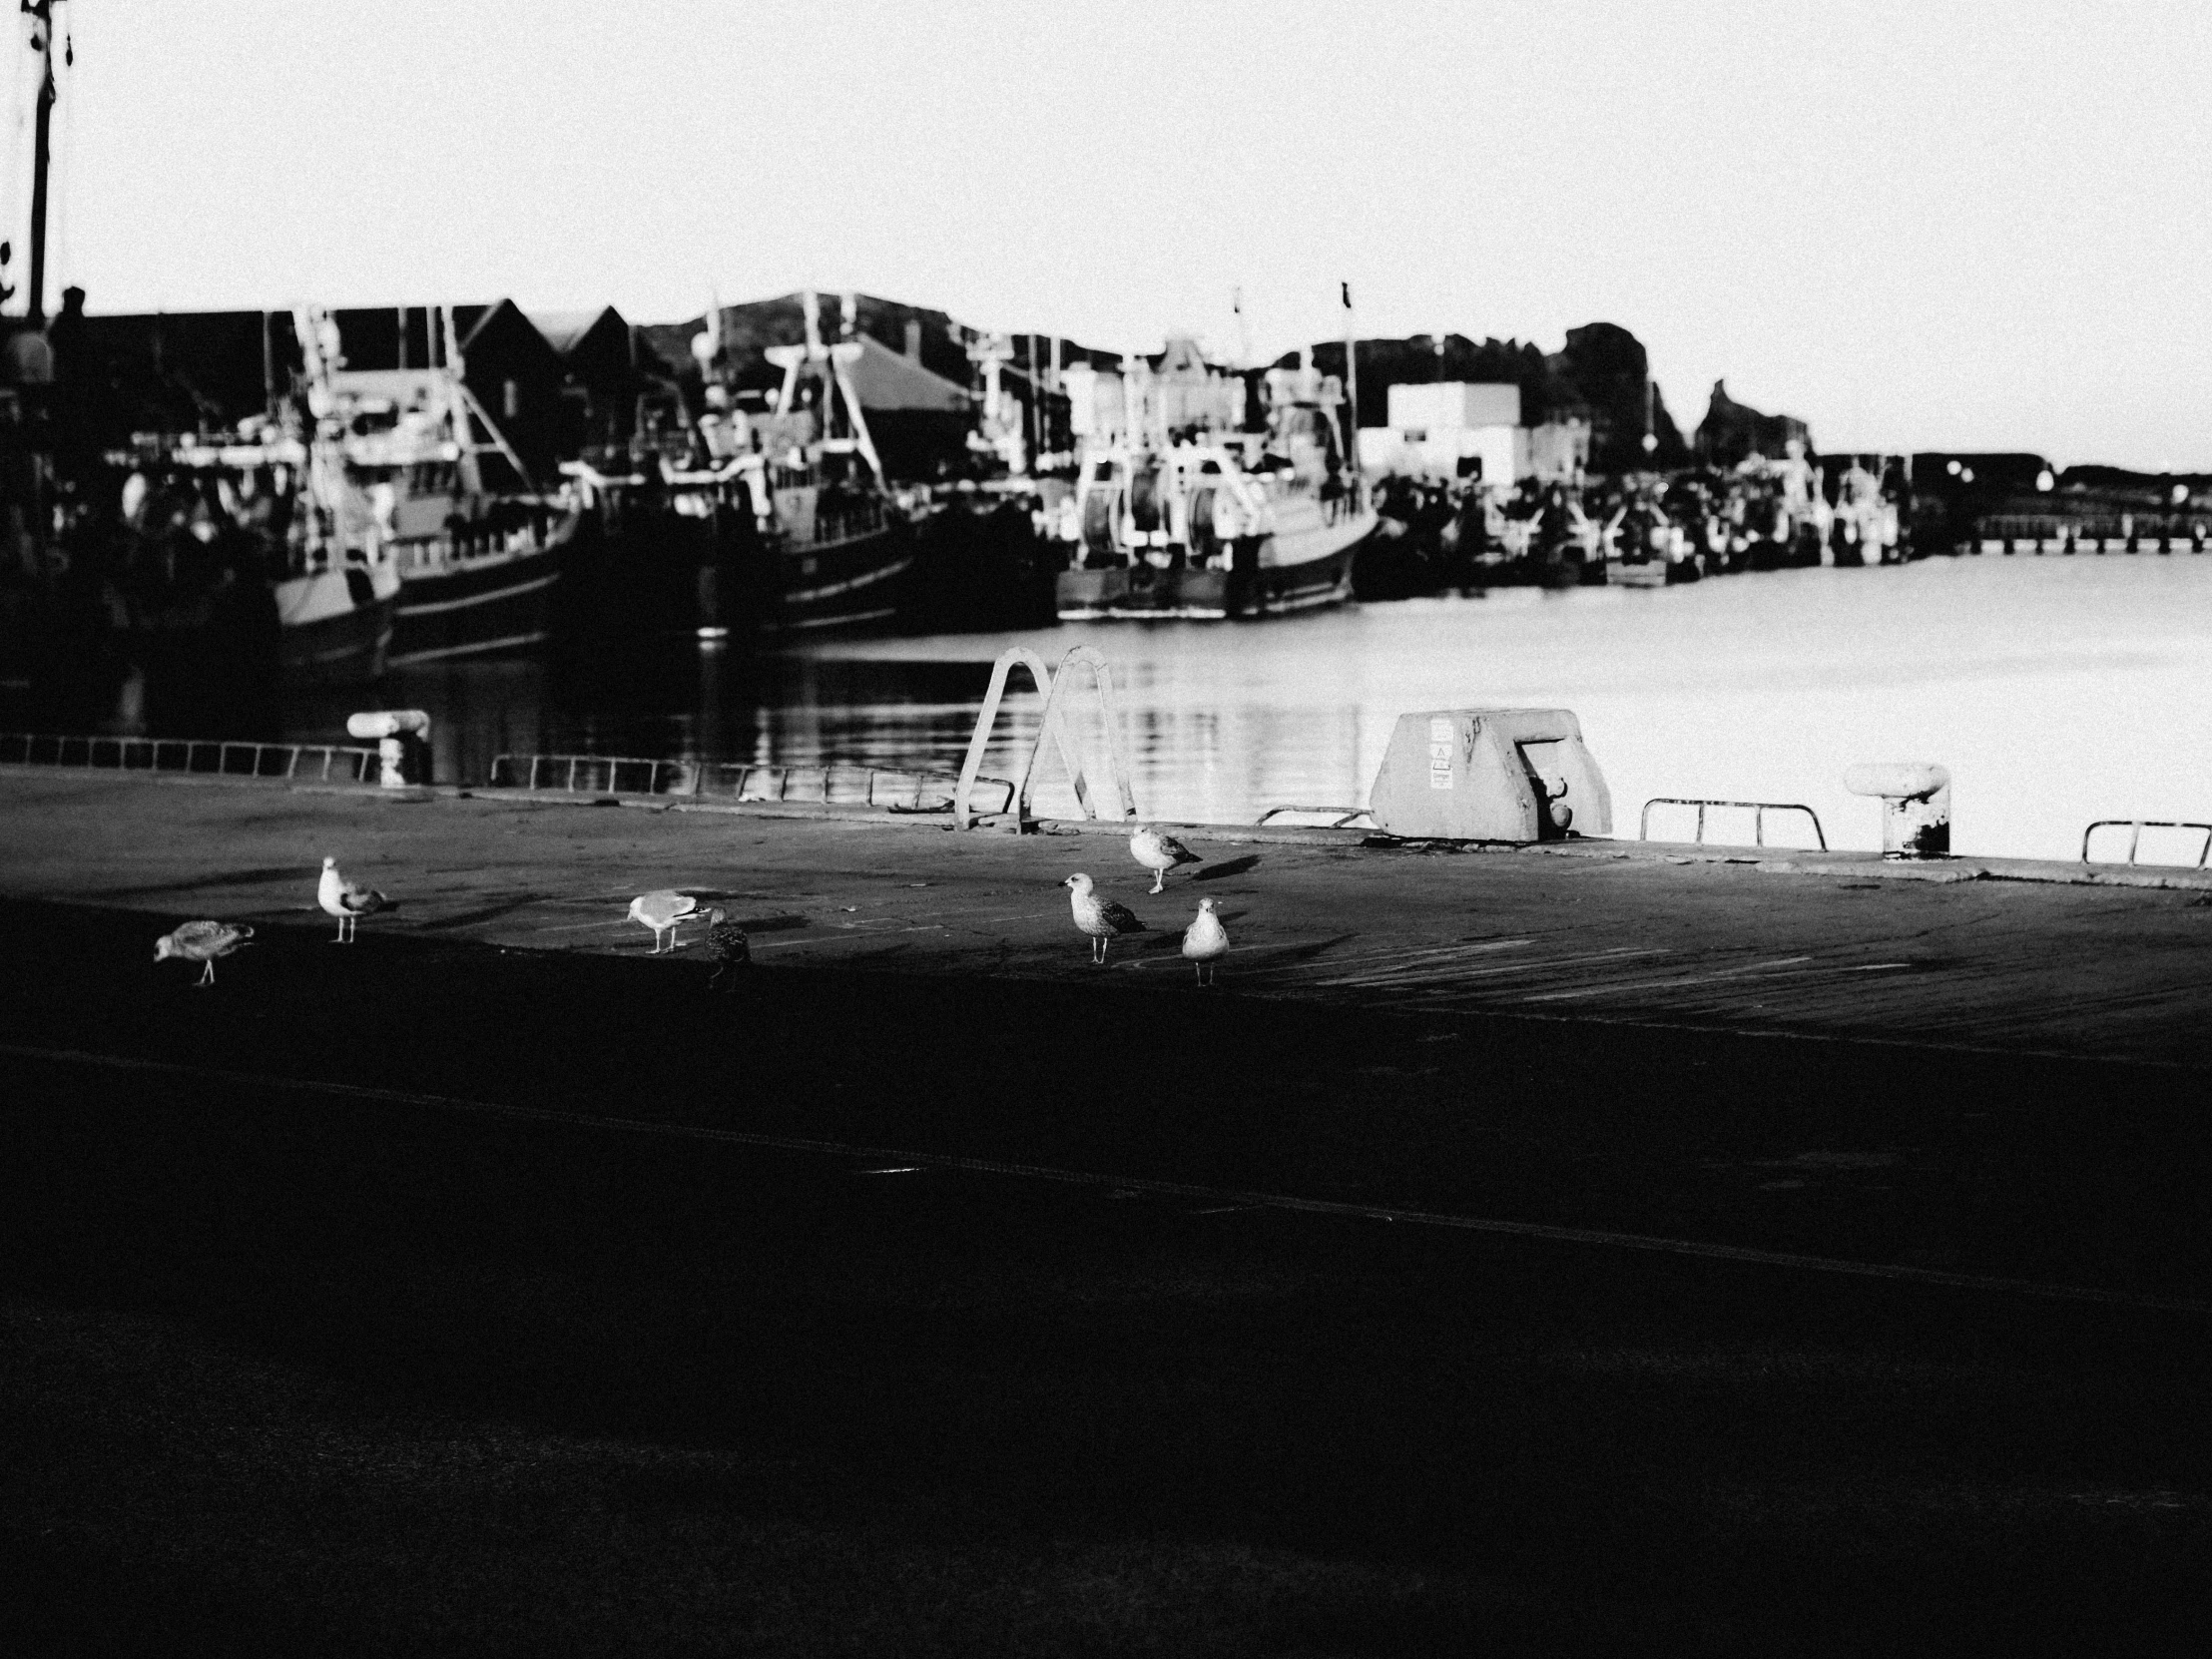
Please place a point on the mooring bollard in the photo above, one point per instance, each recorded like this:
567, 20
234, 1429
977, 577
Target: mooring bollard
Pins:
1508, 775
1916, 806
404, 744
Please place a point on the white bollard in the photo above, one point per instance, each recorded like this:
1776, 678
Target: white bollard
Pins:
1916, 806
404, 744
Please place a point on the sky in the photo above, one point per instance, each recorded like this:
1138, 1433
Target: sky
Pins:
1965, 226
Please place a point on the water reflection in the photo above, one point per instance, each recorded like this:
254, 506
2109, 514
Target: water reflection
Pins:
2056, 691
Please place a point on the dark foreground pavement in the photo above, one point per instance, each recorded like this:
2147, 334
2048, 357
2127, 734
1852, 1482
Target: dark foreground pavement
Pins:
341, 1318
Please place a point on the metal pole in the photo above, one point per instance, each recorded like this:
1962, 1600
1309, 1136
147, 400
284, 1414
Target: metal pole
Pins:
42, 12
1351, 389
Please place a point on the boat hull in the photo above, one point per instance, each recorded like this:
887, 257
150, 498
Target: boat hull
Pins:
1279, 575
334, 628
471, 611
662, 574
859, 581
1637, 573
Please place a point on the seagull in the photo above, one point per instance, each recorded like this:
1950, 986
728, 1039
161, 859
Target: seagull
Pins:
726, 945
661, 912
201, 942
347, 900
1158, 853
1206, 941
1101, 918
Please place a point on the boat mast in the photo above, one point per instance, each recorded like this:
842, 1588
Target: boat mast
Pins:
830, 366
42, 42
1351, 388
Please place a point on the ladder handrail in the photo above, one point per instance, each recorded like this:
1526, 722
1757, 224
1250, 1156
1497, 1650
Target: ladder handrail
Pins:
1040, 676
1102, 686
1053, 725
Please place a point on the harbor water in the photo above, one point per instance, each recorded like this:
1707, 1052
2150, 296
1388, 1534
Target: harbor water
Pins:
2056, 691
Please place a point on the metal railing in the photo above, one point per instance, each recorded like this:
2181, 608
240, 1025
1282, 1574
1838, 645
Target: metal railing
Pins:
898, 790
1338, 817
212, 757
2136, 825
1758, 809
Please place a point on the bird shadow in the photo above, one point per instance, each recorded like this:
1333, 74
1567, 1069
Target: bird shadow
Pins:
224, 878
1226, 867
491, 912
771, 925
1282, 955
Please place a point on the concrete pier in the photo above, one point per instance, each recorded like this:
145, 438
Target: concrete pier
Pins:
2109, 963
1559, 1249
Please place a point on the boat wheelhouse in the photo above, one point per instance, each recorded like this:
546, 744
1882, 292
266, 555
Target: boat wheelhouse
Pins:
1179, 511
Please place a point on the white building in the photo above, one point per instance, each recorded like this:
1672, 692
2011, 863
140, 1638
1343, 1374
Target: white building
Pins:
1451, 428
1559, 449
1456, 405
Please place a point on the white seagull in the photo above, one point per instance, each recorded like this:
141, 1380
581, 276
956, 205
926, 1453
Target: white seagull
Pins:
1158, 853
661, 912
347, 900
201, 942
1099, 917
1206, 941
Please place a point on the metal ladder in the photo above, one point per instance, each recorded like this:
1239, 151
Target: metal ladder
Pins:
1055, 726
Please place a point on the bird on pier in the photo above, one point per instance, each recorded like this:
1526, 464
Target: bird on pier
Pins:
1206, 941
662, 911
203, 943
1101, 918
1158, 853
347, 900
727, 946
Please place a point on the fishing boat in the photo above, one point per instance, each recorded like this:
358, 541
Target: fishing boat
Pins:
336, 588
432, 485
1644, 545
1179, 511
781, 522
1779, 519
1865, 523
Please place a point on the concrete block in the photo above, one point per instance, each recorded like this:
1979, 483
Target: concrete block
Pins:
1511, 774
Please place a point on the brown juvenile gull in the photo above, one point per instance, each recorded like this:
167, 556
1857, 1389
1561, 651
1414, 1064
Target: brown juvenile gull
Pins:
347, 900
1206, 941
661, 912
727, 946
1158, 853
1099, 917
201, 942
